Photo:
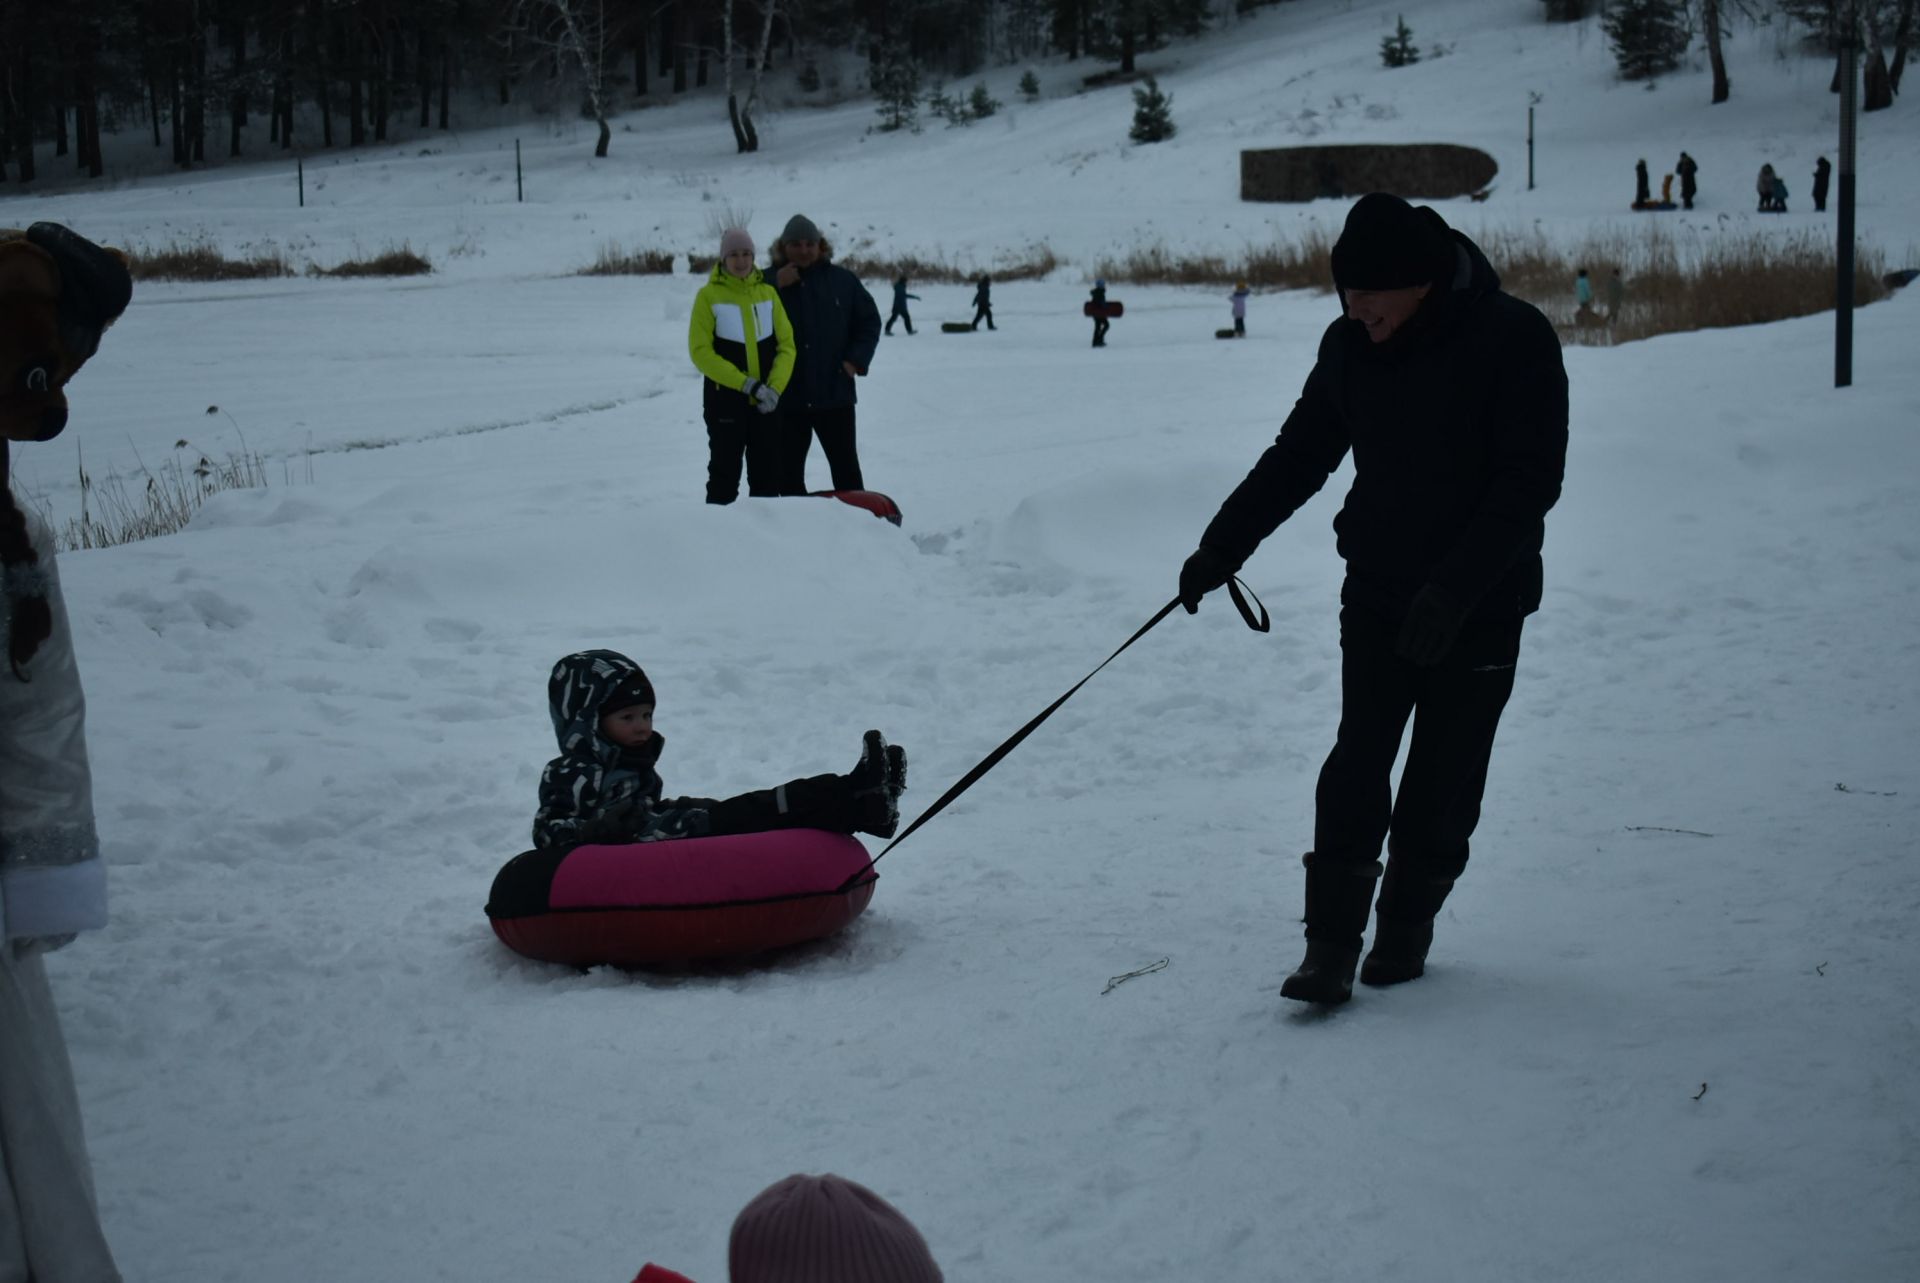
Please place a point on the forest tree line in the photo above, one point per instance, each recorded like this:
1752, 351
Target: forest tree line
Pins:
339, 73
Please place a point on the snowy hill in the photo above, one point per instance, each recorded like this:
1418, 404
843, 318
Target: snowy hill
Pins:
1667, 1031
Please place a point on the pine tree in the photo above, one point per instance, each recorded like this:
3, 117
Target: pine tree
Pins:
896, 84
1152, 114
1030, 86
981, 104
1397, 49
1649, 36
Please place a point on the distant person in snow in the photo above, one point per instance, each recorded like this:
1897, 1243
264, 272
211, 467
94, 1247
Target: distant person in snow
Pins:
603, 787
1452, 397
740, 341
900, 297
1642, 189
1239, 300
1583, 291
1821, 172
1687, 169
1764, 186
1098, 298
60, 293
820, 1229
836, 328
983, 302
1779, 194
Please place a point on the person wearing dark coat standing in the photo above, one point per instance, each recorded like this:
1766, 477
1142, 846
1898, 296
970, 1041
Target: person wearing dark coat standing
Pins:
900, 297
983, 302
836, 327
1822, 171
1452, 397
1687, 168
1101, 324
1642, 191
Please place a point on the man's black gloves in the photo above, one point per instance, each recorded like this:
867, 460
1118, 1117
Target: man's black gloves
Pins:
1433, 621
1205, 571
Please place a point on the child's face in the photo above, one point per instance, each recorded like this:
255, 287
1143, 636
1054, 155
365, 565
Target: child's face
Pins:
739, 263
631, 727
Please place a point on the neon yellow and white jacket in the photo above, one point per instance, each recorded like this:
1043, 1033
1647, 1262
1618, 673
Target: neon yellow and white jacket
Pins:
739, 331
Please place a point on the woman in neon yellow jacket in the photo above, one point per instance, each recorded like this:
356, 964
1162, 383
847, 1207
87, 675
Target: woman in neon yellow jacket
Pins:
741, 342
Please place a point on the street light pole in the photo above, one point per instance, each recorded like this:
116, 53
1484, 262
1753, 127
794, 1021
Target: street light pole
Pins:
1843, 286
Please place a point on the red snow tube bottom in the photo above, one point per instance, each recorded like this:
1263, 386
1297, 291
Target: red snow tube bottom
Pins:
688, 899
872, 500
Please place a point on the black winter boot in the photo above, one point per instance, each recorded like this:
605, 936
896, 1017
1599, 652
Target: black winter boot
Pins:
1325, 976
1399, 952
1338, 899
1409, 902
877, 780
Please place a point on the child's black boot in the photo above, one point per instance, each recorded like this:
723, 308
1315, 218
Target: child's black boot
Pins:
876, 781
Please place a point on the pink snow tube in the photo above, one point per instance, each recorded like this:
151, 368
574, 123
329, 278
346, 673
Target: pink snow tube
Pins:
646, 903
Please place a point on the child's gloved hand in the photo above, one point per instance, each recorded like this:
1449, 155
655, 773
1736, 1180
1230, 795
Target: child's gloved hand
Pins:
764, 398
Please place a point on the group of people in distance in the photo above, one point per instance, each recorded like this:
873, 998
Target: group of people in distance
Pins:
1771, 188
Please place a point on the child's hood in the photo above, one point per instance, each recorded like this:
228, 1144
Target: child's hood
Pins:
578, 687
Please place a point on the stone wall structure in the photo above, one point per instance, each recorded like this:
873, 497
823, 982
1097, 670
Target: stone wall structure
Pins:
1417, 171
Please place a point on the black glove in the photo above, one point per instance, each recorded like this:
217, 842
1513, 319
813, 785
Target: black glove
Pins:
1205, 571
1433, 621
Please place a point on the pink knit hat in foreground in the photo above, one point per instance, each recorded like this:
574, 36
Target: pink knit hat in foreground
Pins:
735, 238
826, 1229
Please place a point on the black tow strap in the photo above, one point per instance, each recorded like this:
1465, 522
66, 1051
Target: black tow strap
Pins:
1260, 624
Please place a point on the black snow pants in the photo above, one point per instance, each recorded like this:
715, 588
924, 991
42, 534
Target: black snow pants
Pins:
1455, 707
751, 435
835, 428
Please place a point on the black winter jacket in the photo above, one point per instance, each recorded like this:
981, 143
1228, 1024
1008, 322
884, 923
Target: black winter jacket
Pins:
834, 319
1458, 427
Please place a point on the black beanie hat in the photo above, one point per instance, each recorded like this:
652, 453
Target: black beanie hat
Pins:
633, 689
1387, 244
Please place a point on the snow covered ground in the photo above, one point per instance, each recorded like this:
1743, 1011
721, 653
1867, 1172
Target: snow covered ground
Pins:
1668, 1031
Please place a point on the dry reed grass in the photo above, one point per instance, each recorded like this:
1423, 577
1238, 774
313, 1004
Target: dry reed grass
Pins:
201, 261
617, 260
1672, 284
393, 262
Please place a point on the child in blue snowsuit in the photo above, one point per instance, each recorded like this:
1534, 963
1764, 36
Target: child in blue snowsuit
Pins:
900, 297
603, 787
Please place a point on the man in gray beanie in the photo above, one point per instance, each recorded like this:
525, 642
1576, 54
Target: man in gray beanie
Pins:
836, 326
1452, 396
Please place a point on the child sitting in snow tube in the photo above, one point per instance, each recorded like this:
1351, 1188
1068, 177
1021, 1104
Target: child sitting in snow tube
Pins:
603, 787
605, 882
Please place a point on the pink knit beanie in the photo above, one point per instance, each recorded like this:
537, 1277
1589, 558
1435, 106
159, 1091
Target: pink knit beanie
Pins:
826, 1229
735, 238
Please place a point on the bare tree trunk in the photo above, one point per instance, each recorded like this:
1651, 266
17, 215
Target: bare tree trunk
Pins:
640, 64
446, 78
356, 89
197, 99
153, 98
760, 57
1710, 20
1879, 83
726, 72
423, 76
1902, 40
23, 122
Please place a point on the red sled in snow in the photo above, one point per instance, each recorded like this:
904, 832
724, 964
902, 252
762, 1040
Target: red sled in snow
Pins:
644, 904
872, 500
1108, 310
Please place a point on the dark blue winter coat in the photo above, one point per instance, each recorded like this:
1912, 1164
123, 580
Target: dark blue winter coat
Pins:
834, 320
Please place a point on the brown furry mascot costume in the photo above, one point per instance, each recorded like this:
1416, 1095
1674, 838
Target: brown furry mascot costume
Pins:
58, 292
